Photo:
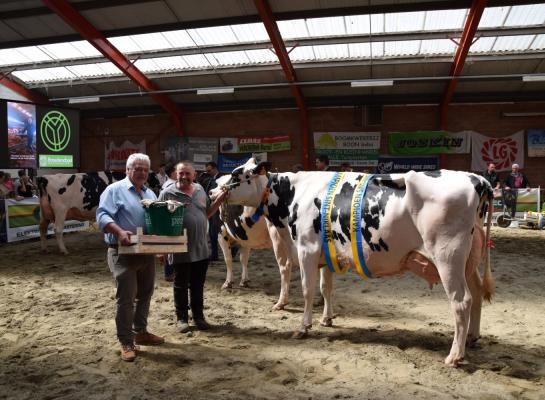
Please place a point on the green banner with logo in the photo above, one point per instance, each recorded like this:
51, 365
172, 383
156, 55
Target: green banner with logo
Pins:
428, 142
57, 137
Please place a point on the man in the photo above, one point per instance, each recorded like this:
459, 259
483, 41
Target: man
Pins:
208, 182
190, 268
29, 130
492, 176
514, 181
118, 215
162, 176
25, 188
345, 167
170, 171
322, 162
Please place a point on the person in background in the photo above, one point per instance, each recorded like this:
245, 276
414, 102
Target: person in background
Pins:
345, 167
492, 176
8, 182
208, 181
25, 187
322, 162
514, 181
170, 172
162, 176
297, 167
191, 267
5, 192
119, 214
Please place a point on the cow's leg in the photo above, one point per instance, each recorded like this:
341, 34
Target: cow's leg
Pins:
451, 268
44, 224
475, 284
326, 288
284, 265
228, 257
244, 258
59, 228
308, 262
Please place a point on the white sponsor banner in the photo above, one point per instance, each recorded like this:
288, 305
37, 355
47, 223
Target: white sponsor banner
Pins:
347, 140
23, 218
115, 158
503, 152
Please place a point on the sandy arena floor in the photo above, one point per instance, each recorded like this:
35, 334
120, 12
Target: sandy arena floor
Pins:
57, 334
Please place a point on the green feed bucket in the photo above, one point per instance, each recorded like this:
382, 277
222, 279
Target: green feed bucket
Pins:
162, 221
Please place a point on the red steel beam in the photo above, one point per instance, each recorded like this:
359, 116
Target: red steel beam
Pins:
74, 19
30, 95
269, 21
470, 28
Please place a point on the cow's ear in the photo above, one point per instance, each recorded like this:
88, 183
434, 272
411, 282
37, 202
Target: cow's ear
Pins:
264, 164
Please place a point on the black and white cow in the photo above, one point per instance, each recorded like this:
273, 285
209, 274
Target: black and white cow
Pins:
430, 223
74, 196
238, 228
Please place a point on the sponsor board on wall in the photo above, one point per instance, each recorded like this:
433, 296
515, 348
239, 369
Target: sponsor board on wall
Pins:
391, 164
503, 152
198, 150
360, 149
227, 163
429, 142
536, 142
22, 219
115, 157
254, 144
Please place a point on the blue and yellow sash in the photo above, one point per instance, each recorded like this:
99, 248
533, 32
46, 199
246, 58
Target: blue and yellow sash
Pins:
356, 239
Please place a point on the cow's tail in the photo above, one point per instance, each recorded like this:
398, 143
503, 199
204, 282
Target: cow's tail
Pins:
41, 183
489, 284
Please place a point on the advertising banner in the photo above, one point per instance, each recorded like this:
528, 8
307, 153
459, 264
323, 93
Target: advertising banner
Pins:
21, 134
198, 150
227, 164
22, 219
251, 144
57, 137
360, 149
501, 151
536, 142
389, 165
115, 157
429, 142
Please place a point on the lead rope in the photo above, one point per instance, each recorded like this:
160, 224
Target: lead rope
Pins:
264, 198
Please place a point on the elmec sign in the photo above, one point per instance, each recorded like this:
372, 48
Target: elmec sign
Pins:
58, 138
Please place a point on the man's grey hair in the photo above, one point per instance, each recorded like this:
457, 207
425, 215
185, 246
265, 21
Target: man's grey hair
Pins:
515, 166
138, 157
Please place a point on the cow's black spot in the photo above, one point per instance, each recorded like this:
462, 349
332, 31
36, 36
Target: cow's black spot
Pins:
338, 236
342, 202
291, 221
62, 190
249, 222
433, 174
379, 189
71, 180
284, 191
231, 215
93, 187
317, 222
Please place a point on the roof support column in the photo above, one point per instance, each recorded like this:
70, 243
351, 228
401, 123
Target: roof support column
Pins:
269, 21
471, 25
75, 20
31, 95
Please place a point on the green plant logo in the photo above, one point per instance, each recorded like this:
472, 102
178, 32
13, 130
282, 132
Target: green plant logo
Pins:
55, 131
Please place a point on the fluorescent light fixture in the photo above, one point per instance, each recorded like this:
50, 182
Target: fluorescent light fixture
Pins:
371, 83
533, 78
524, 114
218, 90
78, 100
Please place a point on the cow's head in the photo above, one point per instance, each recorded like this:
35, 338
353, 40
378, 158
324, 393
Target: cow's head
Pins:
246, 184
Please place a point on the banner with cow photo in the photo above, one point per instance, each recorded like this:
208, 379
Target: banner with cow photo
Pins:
503, 152
115, 158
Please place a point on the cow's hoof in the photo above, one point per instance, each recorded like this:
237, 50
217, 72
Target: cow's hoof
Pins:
245, 283
328, 322
300, 334
472, 341
452, 361
227, 285
278, 306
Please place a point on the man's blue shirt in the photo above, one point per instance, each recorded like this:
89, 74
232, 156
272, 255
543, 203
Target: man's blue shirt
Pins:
120, 203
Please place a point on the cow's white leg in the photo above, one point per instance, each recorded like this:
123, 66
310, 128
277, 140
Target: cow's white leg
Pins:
227, 256
44, 224
308, 262
284, 265
452, 275
244, 257
326, 288
59, 228
475, 284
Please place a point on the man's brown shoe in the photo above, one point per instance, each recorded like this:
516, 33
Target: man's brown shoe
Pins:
148, 339
128, 352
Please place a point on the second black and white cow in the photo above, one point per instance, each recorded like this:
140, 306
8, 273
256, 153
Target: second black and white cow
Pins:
74, 196
429, 223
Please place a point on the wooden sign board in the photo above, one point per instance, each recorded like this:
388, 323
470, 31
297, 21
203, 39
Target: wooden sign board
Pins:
155, 244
